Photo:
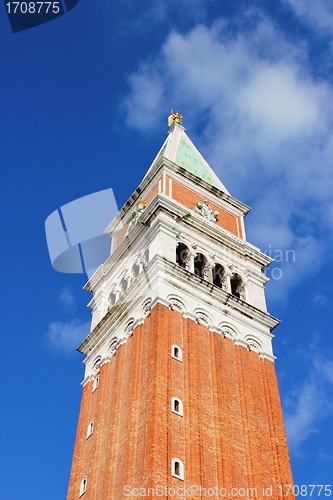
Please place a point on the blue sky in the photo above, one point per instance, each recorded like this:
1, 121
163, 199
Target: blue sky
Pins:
84, 101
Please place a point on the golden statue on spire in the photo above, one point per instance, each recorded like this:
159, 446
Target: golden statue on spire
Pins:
175, 117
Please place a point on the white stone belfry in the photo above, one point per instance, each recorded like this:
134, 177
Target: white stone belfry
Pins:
180, 241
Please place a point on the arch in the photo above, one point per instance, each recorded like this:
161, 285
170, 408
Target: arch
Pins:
97, 364
237, 286
124, 284
176, 303
113, 344
182, 255
96, 383
146, 306
83, 485
228, 330
218, 275
112, 298
202, 317
136, 269
177, 406
129, 326
200, 262
176, 352
177, 468
146, 256
253, 343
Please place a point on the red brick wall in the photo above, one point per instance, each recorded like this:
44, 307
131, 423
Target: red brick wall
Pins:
189, 198
232, 432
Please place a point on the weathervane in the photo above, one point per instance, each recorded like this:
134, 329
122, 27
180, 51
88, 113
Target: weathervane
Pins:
174, 117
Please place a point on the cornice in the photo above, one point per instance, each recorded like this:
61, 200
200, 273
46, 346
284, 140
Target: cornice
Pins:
184, 217
149, 284
187, 176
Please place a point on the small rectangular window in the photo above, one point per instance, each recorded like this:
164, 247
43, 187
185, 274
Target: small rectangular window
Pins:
177, 468
96, 383
176, 352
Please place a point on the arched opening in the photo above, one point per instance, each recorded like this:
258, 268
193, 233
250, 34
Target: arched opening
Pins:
83, 485
90, 428
123, 284
236, 283
176, 352
113, 298
218, 275
146, 256
177, 468
182, 255
177, 406
96, 383
136, 270
200, 262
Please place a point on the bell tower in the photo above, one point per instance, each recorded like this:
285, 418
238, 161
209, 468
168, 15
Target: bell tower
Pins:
180, 396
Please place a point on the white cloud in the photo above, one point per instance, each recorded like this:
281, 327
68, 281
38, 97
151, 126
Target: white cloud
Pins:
67, 298
319, 15
279, 103
66, 337
309, 405
265, 125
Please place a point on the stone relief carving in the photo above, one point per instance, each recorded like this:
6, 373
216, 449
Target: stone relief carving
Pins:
203, 208
136, 216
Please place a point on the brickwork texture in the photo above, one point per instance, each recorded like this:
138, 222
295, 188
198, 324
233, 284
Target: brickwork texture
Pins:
231, 434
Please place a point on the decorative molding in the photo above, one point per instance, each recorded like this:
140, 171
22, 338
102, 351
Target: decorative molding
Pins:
253, 344
202, 317
146, 307
216, 233
249, 342
113, 344
227, 331
129, 327
219, 312
97, 364
176, 303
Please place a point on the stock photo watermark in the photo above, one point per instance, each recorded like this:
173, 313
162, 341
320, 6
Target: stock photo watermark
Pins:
195, 490
282, 256
75, 233
26, 15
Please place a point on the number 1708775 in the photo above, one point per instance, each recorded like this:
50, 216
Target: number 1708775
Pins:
33, 7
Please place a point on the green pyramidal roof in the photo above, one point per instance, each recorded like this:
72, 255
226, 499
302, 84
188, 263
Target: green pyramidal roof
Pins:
188, 158
179, 149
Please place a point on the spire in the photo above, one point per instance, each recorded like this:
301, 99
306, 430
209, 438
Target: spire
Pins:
179, 149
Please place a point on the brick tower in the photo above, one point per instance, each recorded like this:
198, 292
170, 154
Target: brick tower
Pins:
180, 388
